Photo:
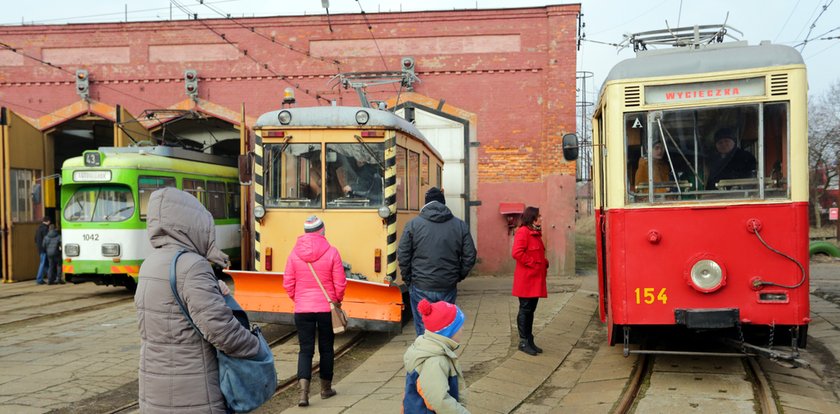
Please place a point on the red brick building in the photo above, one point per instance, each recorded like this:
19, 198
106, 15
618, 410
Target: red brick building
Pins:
506, 76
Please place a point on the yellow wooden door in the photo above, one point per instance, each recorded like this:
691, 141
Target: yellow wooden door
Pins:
22, 195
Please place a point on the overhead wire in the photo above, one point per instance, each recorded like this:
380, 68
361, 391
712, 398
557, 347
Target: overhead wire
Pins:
269, 38
795, 6
92, 81
245, 53
814, 24
376, 43
119, 13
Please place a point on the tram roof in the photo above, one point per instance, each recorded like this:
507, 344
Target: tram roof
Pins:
714, 58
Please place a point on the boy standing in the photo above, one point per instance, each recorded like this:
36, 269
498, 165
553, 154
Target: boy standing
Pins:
431, 365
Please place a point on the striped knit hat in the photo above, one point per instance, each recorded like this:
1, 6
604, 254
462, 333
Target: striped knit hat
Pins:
442, 318
313, 224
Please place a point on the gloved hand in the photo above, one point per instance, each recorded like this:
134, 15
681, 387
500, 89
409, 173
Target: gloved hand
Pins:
224, 288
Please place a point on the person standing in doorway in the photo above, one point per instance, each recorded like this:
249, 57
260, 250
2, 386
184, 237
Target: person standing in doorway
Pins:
529, 277
312, 257
436, 251
52, 246
40, 233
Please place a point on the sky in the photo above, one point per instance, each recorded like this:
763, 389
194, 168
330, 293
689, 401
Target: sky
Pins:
787, 22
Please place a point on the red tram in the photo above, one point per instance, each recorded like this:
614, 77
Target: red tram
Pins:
700, 177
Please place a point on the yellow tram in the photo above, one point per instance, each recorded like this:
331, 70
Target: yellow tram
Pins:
363, 171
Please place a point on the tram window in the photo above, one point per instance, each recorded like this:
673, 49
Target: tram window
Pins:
413, 180
100, 203
233, 200
293, 175
358, 173
402, 200
196, 188
707, 153
216, 199
146, 185
26, 195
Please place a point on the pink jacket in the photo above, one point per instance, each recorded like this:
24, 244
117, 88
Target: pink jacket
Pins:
299, 281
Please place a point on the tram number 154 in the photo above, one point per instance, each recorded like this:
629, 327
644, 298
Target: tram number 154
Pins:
646, 295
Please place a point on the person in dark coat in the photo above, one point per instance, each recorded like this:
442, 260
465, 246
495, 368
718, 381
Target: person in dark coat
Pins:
730, 162
52, 247
179, 370
436, 251
529, 283
40, 233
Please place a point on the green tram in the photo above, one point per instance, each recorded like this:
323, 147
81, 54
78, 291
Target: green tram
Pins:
104, 197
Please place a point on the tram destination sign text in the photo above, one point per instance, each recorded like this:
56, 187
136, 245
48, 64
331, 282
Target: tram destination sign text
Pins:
701, 91
91, 176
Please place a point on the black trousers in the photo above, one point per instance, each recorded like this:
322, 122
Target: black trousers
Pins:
525, 317
308, 324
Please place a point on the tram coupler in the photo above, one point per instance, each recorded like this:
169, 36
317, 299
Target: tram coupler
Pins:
784, 358
626, 341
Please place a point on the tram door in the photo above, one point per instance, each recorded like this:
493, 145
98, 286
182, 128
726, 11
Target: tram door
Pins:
21, 195
128, 130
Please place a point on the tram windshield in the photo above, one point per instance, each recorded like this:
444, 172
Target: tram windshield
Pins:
712, 153
349, 175
100, 204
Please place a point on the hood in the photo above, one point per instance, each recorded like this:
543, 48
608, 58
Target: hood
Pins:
426, 346
177, 219
311, 246
52, 233
436, 211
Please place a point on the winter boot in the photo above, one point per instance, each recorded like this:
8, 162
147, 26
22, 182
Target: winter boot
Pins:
327, 390
534, 346
304, 392
525, 347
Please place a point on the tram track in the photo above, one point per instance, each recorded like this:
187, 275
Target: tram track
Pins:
62, 313
284, 384
644, 391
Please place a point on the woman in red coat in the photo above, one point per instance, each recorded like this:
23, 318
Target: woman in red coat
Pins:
529, 277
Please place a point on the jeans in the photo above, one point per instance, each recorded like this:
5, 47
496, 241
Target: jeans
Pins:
418, 295
307, 324
42, 268
53, 273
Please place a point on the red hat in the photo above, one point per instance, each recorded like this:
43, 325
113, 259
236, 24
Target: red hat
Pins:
441, 317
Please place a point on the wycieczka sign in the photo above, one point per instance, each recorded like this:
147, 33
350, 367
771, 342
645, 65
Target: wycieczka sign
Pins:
701, 91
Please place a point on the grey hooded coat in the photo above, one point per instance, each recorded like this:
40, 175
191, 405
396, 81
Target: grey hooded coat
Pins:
178, 368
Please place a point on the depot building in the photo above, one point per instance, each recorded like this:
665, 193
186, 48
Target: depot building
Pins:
494, 90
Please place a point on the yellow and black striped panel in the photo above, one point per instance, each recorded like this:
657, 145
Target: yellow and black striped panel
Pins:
391, 202
258, 197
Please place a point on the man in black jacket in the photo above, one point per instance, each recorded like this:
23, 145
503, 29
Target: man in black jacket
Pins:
40, 233
436, 252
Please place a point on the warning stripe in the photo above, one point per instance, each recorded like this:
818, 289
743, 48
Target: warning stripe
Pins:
258, 197
391, 202
125, 269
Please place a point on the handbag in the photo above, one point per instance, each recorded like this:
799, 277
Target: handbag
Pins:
339, 318
246, 383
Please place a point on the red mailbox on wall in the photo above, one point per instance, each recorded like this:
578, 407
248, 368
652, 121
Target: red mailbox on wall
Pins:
511, 212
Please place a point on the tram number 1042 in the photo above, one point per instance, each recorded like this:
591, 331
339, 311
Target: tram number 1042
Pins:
95, 237
646, 296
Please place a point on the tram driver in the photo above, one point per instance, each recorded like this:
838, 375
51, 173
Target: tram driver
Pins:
366, 181
730, 161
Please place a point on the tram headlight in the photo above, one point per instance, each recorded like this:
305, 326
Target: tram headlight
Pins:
259, 212
284, 117
707, 276
71, 250
110, 249
362, 117
384, 211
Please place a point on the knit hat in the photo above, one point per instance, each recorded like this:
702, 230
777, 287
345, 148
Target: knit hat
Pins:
442, 318
313, 224
724, 133
434, 194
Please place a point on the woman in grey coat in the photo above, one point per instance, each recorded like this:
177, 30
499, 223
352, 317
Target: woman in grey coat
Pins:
178, 368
